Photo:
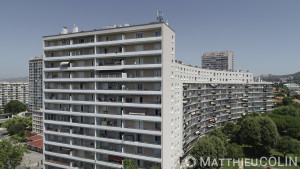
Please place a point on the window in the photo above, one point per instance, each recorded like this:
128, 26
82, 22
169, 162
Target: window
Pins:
139, 35
157, 60
157, 47
157, 33
120, 49
92, 40
157, 73
105, 38
139, 47
119, 37
140, 86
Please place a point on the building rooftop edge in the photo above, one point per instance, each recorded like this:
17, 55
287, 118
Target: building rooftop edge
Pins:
104, 29
237, 71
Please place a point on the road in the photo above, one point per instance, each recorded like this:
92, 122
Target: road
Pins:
32, 161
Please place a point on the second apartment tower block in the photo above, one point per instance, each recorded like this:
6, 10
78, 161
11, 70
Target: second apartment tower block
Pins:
36, 93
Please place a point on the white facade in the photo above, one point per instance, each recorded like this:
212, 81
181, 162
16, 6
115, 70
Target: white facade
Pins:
36, 93
13, 91
117, 93
291, 86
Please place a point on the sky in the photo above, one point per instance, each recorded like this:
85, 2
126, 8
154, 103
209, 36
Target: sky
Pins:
263, 34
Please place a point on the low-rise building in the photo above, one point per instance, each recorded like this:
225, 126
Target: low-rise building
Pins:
291, 86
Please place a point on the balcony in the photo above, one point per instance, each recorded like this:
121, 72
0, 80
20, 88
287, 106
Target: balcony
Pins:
109, 146
84, 120
58, 161
109, 122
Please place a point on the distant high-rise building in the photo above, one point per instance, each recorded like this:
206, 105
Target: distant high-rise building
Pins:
13, 91
36, 93
218, 60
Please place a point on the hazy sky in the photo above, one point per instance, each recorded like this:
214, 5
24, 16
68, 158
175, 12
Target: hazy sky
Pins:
264, 34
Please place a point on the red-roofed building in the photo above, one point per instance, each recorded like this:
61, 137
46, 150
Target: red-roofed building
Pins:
36, 137
279, 98
296, 101
35, 143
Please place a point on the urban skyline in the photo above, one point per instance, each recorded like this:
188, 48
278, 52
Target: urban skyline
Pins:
251, 34
150, 85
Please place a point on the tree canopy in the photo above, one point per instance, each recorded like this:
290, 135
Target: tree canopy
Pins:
259, 132
18, 126
208, 146
231, 130
287, 110
234, 151
129, 164
287, 101
287, 145
14, 107
11, 154
287, 125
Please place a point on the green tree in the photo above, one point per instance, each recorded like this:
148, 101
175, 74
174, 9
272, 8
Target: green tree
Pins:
287, 101
234, 151
218, 133
1, 112
14, 107
287, 125
280, 94
287, 110
249, 132
287, 145
155, 167
208, 146
18, 126
260, 132
268, 132
129, 164
11, 154
231, 131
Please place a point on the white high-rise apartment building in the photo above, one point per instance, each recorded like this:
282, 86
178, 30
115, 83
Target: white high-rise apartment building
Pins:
13, 91
118, 93
36, 93
218, 60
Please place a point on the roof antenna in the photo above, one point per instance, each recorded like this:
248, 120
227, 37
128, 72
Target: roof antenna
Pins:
160, 16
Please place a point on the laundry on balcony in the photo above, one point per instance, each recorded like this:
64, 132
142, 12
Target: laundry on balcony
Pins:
115, 159
137, 112
212, 120
108, 123
64, 63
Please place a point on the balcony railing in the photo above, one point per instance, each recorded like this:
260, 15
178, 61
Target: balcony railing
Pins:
57, 162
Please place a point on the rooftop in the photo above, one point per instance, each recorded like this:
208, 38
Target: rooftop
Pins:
111, 27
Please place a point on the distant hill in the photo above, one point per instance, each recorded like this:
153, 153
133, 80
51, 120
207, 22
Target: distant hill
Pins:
17, 79
276, 78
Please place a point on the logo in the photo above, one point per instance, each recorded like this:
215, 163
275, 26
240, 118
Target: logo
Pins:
189, 162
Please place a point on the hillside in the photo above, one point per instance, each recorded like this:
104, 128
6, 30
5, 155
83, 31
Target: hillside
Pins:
275, 78
18, 79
